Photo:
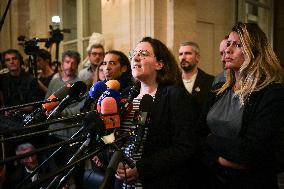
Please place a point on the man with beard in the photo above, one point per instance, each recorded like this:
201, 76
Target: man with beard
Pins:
68, 75
116, 66
196, 81
69, 67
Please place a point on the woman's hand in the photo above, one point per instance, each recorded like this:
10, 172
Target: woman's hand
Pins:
131, 174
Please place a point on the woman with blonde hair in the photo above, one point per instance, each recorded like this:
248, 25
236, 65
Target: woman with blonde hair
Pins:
243, 117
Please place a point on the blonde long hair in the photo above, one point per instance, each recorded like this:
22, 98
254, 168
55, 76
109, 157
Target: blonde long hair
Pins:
261, 66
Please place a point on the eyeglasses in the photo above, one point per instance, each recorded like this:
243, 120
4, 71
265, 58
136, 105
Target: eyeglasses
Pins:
142, 54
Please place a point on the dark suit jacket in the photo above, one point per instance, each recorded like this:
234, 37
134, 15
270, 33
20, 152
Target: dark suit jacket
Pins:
20, 173
256, 143
169, 151
201, 87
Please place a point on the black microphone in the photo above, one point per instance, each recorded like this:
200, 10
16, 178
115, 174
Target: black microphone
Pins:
91, 125
77, 90
94, 126
126, 104
110, 170
52, 102
142, 118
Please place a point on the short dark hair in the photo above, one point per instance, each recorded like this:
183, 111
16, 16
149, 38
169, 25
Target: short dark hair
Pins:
13, 51
44, 54
72, 54
96, 46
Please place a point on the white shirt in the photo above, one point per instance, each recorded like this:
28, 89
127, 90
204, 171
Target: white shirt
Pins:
189, 83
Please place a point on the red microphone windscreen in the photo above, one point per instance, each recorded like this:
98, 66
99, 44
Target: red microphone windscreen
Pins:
109, 113
60, 93
108, 106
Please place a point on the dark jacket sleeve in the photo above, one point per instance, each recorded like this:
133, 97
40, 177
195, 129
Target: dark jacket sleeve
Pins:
262, 119
171, 140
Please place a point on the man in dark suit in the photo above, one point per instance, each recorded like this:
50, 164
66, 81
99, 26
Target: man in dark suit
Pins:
196, 81
28, 165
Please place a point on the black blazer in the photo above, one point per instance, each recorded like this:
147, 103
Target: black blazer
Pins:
15, 177
255, 144
170, 148
201, 87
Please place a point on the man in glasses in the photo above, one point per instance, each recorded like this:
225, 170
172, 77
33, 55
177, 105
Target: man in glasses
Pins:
96, 56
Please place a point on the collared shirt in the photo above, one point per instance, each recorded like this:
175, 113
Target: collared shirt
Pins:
189, 83
35, 177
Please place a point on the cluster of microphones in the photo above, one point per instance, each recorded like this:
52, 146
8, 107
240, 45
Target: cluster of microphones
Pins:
103, 109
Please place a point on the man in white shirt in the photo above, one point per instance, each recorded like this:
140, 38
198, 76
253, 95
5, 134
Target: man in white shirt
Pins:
196, 81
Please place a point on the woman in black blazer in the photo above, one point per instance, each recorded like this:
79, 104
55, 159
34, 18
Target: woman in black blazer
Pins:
169, 144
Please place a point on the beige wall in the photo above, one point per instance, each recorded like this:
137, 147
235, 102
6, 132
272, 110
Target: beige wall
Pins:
125, 22
214, 21
29, 18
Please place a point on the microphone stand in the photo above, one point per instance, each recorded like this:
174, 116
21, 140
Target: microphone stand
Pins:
30, 104
77, 153
51, 156
48, 122
39, 150
68, 166
111, 168
39, 133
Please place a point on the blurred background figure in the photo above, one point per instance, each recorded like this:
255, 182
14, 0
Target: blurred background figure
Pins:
17, 86
28, 165
43, 59
221, 77
95, 57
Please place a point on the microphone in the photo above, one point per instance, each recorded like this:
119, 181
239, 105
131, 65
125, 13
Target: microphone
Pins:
60, 93
77, 90
126, 103
142, 118
109, 113
40, 113
94, 93
113, 84
94, 126
110, 93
